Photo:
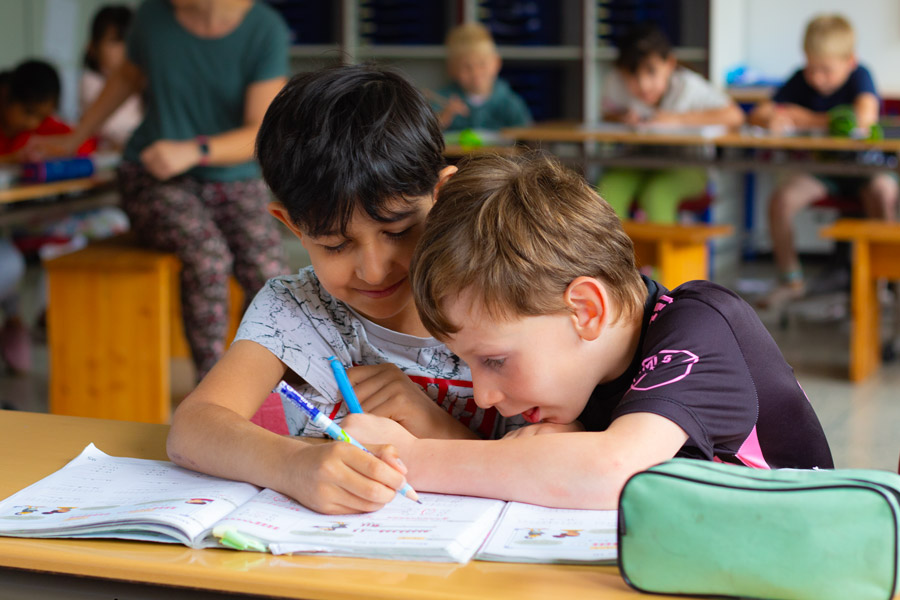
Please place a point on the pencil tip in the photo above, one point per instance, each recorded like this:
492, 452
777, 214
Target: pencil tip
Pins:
419, 501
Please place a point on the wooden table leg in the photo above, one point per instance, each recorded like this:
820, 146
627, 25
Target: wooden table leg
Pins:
865, 346
681, 262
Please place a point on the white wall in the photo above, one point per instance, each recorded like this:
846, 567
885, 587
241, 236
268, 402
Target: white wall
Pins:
773, 35
727, 37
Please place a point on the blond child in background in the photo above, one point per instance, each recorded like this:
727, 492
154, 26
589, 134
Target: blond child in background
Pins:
832, 77
477, 99
648, 87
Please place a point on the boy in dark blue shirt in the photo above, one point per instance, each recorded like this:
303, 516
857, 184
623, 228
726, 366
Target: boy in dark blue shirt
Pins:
832, 77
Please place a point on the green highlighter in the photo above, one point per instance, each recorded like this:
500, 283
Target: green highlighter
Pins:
239, 541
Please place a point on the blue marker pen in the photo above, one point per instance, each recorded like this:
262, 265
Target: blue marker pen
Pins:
331, 428
344, 385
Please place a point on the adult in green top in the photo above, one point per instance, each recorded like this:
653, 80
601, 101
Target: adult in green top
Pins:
208, 70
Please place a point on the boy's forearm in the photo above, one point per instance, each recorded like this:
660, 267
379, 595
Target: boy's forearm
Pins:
866, 107
762, 114
577, 470
804, 118
213, 439
124, 82
730, 116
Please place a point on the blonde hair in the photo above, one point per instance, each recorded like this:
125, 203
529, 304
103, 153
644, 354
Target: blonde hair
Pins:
469, 38
515, 232
829, 35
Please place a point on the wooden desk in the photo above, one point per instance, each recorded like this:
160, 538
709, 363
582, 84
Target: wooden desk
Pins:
679, 252
733, 139
457, 152
34, 445
80, 194
721, 151
33, 191
576, 133
805, 142
876, 255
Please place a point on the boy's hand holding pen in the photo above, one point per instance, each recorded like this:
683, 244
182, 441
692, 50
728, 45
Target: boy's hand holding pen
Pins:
331, 428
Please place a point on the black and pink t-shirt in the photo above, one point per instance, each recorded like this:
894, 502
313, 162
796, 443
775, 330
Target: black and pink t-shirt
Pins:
707, 363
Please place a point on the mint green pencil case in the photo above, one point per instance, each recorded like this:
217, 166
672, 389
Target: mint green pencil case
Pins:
701, 528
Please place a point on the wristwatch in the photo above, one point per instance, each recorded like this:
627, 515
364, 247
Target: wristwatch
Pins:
203, 145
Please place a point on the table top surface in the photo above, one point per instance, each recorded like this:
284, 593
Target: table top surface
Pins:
34, 445
31, 191
863, 230
574, 132
675, 232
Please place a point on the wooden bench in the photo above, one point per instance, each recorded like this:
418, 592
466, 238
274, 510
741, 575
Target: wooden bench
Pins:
113, 326
679, 252
876, 255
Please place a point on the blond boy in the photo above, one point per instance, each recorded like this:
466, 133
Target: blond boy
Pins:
832, 77
477, 99
527, 275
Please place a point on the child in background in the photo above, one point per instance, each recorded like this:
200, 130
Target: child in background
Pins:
477, 99
648, 87
353, 156
832, 77
528, 276
105, 53
15, 341
29, 97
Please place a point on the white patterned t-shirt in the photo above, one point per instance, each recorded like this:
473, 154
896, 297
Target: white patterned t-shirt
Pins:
293, 317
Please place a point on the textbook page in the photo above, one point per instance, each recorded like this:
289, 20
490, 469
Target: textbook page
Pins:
529, 533
442, 528
97, 495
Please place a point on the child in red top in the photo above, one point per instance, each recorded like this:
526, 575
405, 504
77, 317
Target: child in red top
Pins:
29, 95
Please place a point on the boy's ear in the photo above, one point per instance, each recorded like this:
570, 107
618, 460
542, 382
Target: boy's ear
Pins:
280, 212
443, 176
498, 64
587, 300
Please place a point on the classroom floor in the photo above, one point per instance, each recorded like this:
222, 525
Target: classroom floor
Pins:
860, 420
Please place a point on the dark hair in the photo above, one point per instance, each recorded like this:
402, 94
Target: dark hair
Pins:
348, 136
639, 44
32, 82
115, 17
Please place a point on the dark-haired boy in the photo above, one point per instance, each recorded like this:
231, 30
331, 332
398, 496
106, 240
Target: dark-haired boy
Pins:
648, 87
353, 156
29, 96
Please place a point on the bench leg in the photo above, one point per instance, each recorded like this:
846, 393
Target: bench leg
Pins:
109, 343
679, 263
865, 333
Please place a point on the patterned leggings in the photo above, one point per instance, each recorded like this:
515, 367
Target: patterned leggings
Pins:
215, 229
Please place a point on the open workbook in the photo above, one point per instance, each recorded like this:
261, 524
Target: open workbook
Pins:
102, 496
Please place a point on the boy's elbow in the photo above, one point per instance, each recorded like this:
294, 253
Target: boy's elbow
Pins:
175, 448
608, 474
178, 440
